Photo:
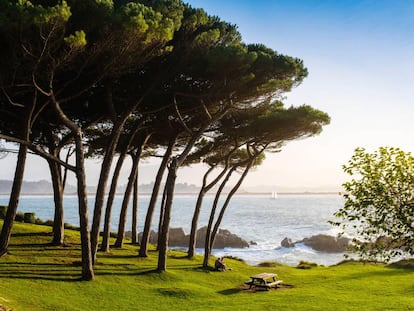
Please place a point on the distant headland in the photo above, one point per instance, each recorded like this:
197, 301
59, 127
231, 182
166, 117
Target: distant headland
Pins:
44, 187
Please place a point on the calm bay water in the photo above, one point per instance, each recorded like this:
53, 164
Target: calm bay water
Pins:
259, 218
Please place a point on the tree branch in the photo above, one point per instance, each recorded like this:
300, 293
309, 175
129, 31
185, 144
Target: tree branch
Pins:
180, 117
10, 100
37, 150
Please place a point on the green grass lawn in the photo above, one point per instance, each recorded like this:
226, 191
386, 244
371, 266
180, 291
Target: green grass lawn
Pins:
36, 276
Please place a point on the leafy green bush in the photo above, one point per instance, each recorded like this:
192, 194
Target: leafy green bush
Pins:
38, 221
269, 264
29, 218
304, 264
3, 211
71, 227
48, 223
19, 217
234, 258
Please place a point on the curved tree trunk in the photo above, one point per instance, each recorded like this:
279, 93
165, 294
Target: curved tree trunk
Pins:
14, 200
196, 214
125, 202
226, 203
134, 233
65, 170
162, 213
109, 203
143, 250
106, 166
171, 178
103, 180
164, 234
112, 191
58, 183
131, 181
207, 250
204, 189
87, 269
17, 181
58, 220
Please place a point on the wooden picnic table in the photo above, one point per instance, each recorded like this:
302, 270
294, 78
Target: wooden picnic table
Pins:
264, 280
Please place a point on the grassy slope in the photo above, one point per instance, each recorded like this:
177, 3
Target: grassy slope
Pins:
35, 276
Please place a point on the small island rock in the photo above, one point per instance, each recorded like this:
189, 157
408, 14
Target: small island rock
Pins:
286, 242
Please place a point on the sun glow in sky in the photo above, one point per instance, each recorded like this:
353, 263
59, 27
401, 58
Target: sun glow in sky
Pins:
360, 57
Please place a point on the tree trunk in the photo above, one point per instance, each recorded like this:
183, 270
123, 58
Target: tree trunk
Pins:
162, 213
196, 214
143, 250
103, 180
87, 269
107, 163
14, 200
164, 234
58, 221
226, 203
207, 250
194, 223
110, 201
134, 233
65, 170
112, 191
17, 181
172, 175
123, 214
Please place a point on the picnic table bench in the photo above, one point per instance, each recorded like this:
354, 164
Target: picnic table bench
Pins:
264, 280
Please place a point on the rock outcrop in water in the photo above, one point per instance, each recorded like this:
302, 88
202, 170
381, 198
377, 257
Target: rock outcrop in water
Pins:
321, 243
286, 242
178, 238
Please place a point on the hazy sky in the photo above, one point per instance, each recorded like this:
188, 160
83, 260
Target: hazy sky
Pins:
360, 57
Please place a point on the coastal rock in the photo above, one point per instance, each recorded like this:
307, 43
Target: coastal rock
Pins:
153, 236
178, 238
321, 243
224, 238
286, 242
327, 243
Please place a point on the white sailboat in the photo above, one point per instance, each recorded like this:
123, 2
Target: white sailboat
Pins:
274, 195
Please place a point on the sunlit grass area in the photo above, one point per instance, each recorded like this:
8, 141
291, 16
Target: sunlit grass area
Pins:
37, 276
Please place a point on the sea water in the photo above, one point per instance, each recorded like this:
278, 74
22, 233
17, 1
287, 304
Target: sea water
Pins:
263, 219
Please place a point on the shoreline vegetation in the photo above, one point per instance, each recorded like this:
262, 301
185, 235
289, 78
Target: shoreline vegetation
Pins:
126, 282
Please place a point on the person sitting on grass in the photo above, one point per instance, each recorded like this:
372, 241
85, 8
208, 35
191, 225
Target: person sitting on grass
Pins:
220, 265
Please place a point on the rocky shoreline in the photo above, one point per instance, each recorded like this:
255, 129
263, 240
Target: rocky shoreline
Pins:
178, 238
226, 239
321, 243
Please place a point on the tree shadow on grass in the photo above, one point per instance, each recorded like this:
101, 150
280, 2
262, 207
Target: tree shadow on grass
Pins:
118, 256
229, 291
34, 246
178, 256
131, 272
405, 264
51, 272
25, 234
